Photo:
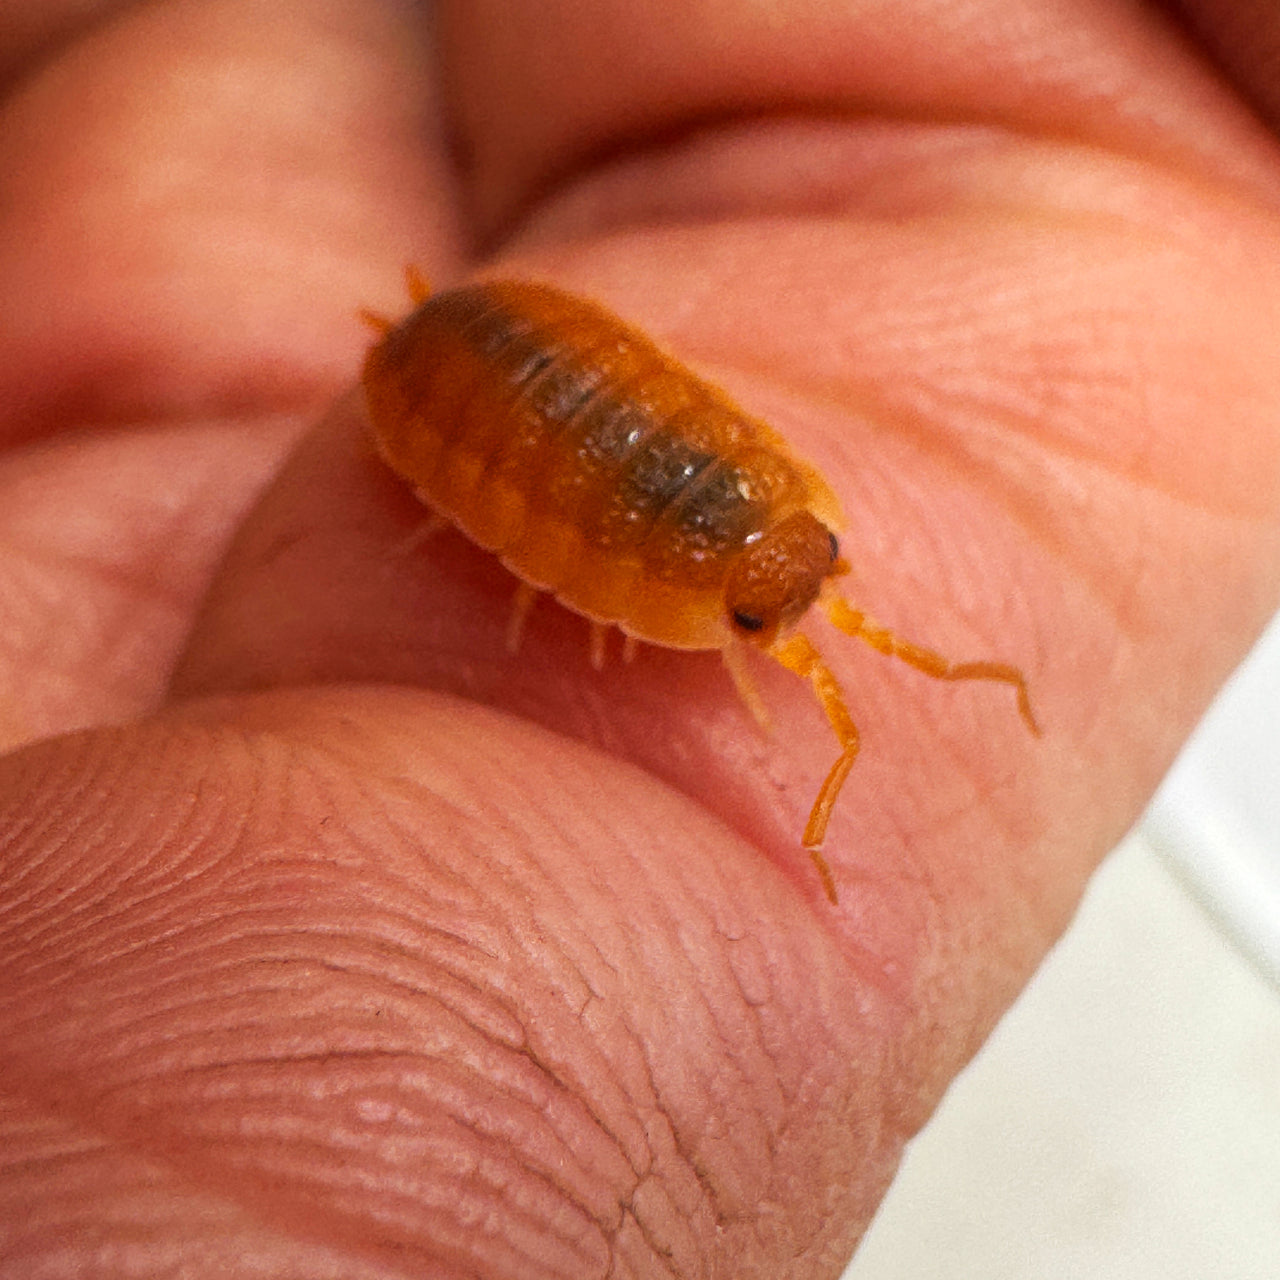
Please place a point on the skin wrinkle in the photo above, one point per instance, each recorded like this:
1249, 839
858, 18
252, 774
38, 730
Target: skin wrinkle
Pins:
544, 1067
970, 453
709, 1189
489, 1010
727, 1041
93, 913
437, 1078
562, 173
260, 755
525, 1098
469, 1113
238, 990
941, 935
632, 1147
637, 1150
951, 169
642, 1169
1106, 590
459, 1107
742, 1097
58, 838
703, 1177
544, 942
447, 1223
592, 989
652, 1202
634, 1211
1023, 503
412, 926
706, 1177
305, 1170
686, 1147
1003, 426
1132, 477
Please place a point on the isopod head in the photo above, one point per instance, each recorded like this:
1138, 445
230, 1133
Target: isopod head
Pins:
778, 577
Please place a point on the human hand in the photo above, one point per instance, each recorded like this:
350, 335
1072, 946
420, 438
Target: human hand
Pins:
365, 948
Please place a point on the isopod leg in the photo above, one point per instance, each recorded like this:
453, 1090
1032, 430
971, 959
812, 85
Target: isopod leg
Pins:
419, 292
418, 285
855, 623
424, 531
824, 872
797, 654
520, 606
630, 647
735, 663
599, 633
379, 324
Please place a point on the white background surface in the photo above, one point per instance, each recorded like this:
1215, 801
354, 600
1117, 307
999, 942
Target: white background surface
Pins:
1122, 1124
1217, 815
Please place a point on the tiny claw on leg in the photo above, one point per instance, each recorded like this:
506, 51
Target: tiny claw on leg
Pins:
824, 874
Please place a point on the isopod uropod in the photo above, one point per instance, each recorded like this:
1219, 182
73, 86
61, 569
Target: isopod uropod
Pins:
604, 473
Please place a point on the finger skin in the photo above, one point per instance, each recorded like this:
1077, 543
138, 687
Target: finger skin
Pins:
196, 209
645, 74
412, 981
106, 547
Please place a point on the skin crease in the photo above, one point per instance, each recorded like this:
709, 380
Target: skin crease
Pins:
335, 941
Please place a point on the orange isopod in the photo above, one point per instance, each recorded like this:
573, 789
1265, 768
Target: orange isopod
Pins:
602, 472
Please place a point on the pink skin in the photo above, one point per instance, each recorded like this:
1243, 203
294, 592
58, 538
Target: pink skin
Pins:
337, 941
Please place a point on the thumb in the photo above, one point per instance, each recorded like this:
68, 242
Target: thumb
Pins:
350, 981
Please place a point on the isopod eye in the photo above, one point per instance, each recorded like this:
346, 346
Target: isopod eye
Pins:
747, 621
835, 546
